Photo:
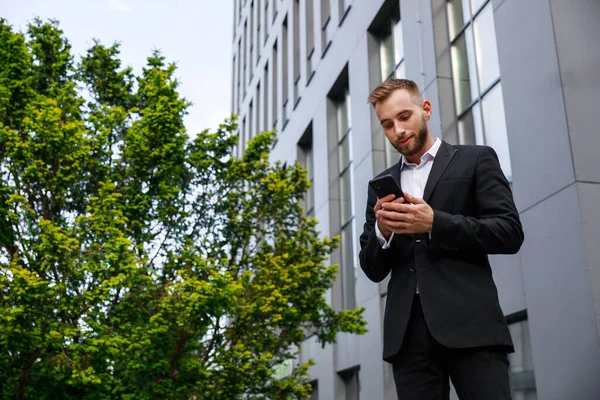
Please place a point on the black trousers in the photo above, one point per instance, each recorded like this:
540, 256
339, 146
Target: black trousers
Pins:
423, 366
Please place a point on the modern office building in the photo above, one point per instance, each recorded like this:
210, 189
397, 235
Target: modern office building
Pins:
519, 75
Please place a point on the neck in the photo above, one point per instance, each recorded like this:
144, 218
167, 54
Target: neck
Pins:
416, 158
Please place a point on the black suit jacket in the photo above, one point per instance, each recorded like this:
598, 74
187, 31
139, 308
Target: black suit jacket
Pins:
474, 215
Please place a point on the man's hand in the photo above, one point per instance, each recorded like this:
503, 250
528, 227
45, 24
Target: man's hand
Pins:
381, 224
403, 215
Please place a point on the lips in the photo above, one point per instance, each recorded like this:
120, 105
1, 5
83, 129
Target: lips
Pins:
405, 141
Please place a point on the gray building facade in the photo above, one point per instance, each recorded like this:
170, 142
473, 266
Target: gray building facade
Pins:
518, 75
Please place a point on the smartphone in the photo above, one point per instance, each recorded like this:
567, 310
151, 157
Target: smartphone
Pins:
384, 185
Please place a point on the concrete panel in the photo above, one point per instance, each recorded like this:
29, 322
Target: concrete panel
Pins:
370, 352
435, 123
509, 281
577, 32
534, 107
323, 370
365, 288
358, 66
562, 321
589, 198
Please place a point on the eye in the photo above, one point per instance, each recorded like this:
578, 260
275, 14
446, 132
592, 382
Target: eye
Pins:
388, 125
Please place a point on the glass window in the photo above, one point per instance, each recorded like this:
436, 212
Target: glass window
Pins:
343, 117
485, 46
494, 123
344, 152
460, 74
391, 45
345, 196
522, 378
347, 269
455, 17
310, 197
398, 42
476, 77
314, 390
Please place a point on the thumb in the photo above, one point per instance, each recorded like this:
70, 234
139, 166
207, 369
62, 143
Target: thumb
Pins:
412, 199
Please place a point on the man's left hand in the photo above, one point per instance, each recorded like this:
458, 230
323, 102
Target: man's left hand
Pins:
413, 216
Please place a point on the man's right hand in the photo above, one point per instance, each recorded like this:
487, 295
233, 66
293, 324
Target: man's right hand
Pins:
383, 228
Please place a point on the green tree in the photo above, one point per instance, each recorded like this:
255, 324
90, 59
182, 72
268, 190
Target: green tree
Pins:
137, 262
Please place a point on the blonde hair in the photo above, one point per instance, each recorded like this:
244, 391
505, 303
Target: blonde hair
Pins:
390, 85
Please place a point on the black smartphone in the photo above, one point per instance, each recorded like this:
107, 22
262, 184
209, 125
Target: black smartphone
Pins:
384, 185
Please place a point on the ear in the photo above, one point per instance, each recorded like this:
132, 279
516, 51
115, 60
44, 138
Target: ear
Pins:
426, 106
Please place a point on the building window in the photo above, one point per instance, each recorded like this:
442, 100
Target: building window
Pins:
476, 77
258, 115
296, 51
284, 71
351, 383
314, 390
310, 39
305, 158
251, 40
274, 85
266, 97
266, 20
344, 130
250, 124
326, 25
241, 139
344, 7
239, 75
391, 60
522, 378
258, 30
244, 49
275, 9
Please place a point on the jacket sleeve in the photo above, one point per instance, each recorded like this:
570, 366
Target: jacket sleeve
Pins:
497, 228
374, 260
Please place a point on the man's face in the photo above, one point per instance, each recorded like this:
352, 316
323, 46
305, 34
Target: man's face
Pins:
404, 121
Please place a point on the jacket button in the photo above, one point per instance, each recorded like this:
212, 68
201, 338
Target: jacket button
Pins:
411, 269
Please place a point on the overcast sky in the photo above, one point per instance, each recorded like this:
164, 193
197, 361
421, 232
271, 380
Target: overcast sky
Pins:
196, 34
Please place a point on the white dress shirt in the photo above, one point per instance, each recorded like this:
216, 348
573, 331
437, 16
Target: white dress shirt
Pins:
413, 178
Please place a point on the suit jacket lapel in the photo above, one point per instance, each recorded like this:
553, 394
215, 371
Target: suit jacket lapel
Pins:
440, 163
395, 172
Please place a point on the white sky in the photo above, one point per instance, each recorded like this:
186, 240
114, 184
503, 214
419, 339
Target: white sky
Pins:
195, 34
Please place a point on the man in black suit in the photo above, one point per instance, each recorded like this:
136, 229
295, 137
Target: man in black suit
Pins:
442, 315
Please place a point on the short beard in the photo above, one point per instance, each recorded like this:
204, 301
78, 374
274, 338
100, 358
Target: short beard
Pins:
419, 141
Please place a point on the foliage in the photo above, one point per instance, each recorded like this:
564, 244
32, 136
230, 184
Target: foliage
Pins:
137, 262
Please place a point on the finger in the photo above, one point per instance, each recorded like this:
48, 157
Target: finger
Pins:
383, 200
412, 199
392, 216
399, 207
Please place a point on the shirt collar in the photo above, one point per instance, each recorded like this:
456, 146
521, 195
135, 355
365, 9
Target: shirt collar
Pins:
430, 154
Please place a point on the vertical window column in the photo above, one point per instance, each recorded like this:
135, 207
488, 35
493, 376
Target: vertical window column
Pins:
251, 41
476, 77
296, 51
258, 105
267, 21
274, 99
266, 98
284, 71
326, 25
310, 40
245, 50
259, 23
346, 212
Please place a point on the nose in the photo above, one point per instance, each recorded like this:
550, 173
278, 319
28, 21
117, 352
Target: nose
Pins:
398, 128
